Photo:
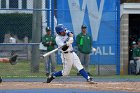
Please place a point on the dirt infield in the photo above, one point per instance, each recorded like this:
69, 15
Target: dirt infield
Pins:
115, 86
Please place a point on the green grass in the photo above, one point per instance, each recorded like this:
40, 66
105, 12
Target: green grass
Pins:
22, 70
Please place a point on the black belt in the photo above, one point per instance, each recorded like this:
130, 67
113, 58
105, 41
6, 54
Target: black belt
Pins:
68, 52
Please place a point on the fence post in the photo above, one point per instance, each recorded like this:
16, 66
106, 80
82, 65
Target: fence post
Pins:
118, 38
36, 35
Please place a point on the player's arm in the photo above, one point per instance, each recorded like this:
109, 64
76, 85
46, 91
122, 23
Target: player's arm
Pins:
69, 33
44, 42
70, 39
60, 43
52, 42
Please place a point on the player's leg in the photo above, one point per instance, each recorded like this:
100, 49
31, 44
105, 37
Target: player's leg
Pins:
87, 60
138, 67
77, 64
12, 60
80, 68
66, 70
4, 60
53, 62
81, 57
87, 57
55, 74
47, 66
67, 65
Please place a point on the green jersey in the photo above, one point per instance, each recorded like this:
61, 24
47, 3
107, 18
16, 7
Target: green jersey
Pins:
84, 43
136, 52
49, 42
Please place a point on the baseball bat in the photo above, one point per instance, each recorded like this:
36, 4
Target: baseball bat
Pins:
49, 53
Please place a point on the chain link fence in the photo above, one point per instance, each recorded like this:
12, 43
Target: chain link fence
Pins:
23, 66
19, 19
16, 37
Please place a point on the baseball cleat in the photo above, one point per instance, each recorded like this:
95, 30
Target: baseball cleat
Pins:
50, 78
0, 79
13, 59
91, 81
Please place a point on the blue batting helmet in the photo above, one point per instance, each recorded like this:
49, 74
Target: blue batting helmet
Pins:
60, 28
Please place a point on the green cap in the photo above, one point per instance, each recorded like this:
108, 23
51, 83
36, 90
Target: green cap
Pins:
83, 26
48, 29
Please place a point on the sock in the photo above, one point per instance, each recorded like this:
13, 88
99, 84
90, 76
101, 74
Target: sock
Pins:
84, 74
57, 74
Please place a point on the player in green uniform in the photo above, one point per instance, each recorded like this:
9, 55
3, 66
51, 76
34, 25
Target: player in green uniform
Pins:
136, 56
84, 43
48, 40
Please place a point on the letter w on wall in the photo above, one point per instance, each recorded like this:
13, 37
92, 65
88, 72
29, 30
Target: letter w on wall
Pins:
94, 14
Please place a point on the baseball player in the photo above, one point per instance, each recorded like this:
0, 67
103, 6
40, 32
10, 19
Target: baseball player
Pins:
84, 43
136, 55
12, 61
68, 56
48, 41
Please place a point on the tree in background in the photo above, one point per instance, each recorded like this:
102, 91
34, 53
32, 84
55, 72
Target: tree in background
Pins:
17, 24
